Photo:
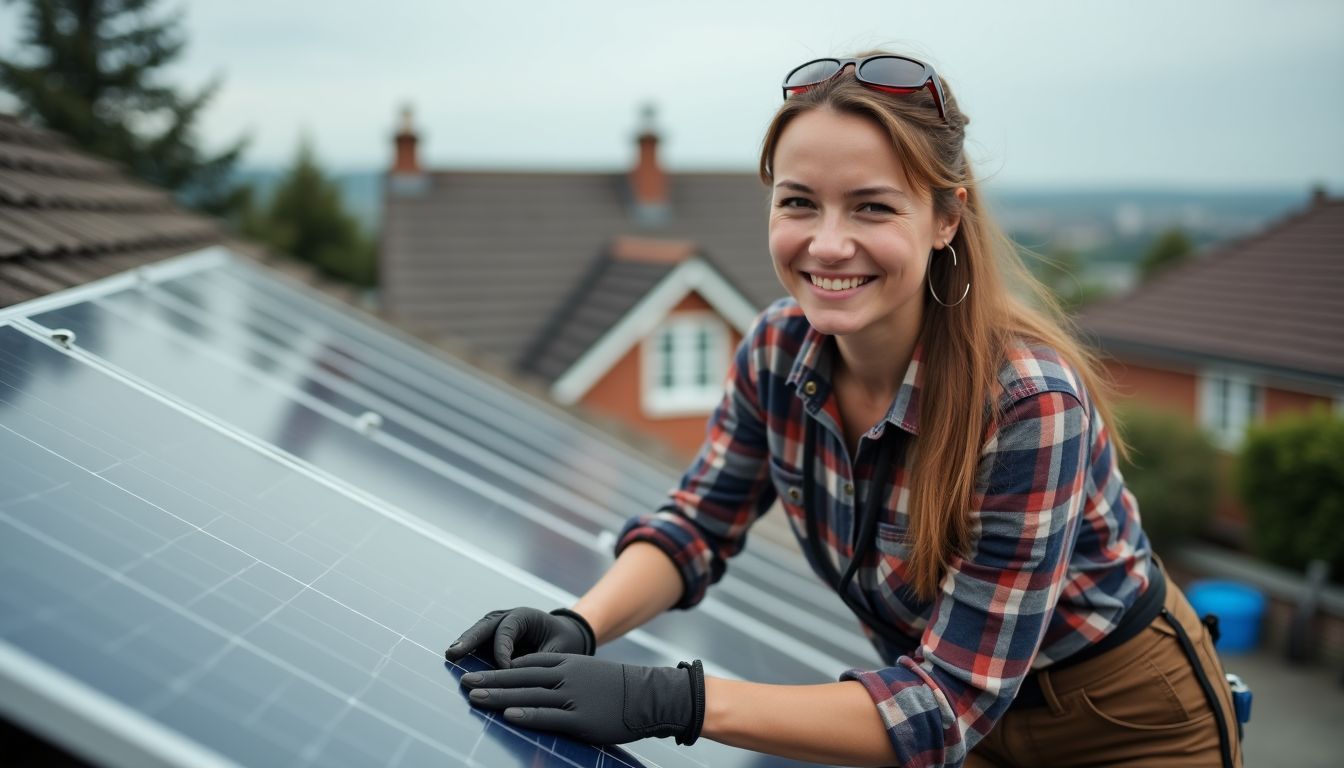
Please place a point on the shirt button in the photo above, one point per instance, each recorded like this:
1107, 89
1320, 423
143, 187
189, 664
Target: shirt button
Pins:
795, 494
810, 388
849, 489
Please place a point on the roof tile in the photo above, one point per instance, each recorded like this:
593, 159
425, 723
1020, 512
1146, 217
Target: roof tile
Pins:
492, 259
1275, 299
66, 217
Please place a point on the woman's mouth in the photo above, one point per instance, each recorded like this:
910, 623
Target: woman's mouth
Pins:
837, 284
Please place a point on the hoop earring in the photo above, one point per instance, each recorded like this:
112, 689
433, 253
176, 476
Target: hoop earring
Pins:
928, 274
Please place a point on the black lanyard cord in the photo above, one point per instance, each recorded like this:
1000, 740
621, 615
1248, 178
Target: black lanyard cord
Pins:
868, 510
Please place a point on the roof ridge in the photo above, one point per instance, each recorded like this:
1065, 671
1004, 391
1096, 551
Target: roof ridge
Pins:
1209, 255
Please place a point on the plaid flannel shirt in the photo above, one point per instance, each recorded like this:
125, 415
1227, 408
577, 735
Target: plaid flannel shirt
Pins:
1057, 554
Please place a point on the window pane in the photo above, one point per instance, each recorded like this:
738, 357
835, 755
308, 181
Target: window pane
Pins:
667, 359
1223, 416
702, 363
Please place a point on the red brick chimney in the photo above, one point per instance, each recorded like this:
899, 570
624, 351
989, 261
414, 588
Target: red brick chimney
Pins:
407, 161
648, 183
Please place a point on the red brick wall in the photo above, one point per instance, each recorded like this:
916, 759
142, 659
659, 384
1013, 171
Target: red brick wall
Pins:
1280, 401
1172, 390
618, 394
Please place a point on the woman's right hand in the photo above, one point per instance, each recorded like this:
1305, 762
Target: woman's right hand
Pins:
520, 631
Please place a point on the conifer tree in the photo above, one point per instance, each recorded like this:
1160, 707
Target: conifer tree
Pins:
1171, 248
306, 219
93, 71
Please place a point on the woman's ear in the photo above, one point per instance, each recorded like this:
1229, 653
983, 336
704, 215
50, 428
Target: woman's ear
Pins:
947, 225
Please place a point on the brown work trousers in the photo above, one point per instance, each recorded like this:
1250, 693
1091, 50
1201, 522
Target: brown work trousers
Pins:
1138, 704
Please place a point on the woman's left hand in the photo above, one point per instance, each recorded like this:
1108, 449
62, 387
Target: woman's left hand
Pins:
594, 700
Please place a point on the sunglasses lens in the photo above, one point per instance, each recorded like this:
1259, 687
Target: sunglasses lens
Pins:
895, 72
811, 73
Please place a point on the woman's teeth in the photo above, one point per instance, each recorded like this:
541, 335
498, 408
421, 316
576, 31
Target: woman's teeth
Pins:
838, 284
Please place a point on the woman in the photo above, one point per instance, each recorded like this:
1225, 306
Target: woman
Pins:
944, 454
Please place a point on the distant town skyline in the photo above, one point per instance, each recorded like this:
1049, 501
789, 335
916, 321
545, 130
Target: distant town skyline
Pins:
1197, 94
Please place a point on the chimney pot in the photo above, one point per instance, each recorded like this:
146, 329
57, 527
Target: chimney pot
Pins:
407, 159
648, 182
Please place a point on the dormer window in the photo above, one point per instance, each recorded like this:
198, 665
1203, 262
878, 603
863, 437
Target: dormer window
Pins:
685, 362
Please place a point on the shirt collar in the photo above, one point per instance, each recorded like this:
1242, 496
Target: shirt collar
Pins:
812, 373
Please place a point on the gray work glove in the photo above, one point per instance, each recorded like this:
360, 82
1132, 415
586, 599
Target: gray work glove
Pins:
521, 631
595, 700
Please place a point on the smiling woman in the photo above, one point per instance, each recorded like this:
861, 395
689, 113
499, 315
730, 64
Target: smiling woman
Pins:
945, 454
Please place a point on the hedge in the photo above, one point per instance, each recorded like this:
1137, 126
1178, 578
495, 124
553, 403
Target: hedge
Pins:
1290, 475
1172, 471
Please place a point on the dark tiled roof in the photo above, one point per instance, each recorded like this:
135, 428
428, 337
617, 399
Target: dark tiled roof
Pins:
1274, 300
622, 275
488, 258
67, 218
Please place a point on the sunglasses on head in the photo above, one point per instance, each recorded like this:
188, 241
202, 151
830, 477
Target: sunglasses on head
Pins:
884, 72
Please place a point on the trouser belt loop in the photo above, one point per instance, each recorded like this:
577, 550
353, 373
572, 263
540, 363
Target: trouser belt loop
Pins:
1047, 683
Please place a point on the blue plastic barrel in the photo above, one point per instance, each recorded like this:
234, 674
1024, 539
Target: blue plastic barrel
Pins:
1239, 609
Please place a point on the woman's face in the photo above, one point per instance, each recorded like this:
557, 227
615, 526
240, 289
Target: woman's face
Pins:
849, 236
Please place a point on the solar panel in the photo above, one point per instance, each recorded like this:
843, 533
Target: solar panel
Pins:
267, 631
545, 493
200, 546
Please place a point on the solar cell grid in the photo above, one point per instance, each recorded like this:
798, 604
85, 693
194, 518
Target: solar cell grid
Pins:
185, 622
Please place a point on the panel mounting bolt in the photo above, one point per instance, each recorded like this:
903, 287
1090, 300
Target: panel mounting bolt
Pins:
63, 336
368, 422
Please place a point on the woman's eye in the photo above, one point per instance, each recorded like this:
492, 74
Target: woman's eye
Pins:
795, 202
876, 208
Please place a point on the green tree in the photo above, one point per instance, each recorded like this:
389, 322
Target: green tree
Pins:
92, 70
307, 220
1172, 470
1061, 271
1171, 248
1291, 475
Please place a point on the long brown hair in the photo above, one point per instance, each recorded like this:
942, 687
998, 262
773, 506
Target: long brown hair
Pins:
964, 346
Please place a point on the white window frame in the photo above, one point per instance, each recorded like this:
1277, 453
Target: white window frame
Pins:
693, 385
1229, 402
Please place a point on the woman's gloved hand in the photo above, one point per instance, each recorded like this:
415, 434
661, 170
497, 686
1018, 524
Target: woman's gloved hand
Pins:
521, 631
595, 700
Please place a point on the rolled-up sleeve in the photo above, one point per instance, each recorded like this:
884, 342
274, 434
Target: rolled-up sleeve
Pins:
996, 601
706, 518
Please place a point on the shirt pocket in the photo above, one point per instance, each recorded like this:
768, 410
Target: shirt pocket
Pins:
892, 595
893, 563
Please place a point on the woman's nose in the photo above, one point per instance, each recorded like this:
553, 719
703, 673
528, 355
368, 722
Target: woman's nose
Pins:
831, 241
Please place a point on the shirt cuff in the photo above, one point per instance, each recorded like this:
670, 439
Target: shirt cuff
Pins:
684, 545
916, 713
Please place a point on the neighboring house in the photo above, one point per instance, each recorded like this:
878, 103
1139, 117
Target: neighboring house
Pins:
624, 292
1248, 331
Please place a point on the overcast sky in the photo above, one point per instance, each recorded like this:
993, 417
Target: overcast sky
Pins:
1154, 93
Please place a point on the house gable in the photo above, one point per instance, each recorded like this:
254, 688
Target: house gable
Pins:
694, 275
619, 391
